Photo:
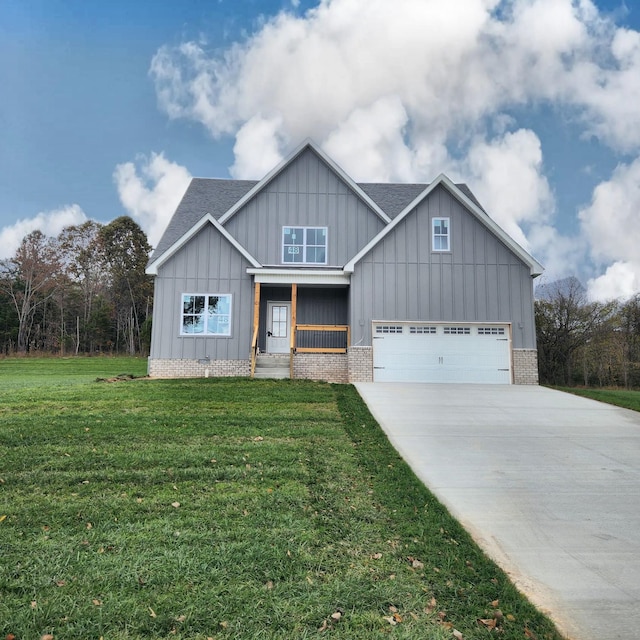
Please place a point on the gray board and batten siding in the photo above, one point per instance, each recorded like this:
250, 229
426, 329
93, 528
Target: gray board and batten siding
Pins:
208, 263
479, 280
307, 193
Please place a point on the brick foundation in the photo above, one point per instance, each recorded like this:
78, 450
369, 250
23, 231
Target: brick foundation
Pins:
525, 366
360, 364
175, 368
330, 367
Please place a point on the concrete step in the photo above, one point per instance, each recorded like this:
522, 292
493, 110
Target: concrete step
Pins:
272, 366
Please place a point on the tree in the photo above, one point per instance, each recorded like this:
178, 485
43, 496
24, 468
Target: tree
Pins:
84, 268
126, 252
565, 323
29, 280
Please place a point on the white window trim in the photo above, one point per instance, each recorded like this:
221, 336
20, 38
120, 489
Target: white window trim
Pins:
205, 333
433, 234
304, 245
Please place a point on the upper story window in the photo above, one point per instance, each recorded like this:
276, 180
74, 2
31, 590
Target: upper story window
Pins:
441, 238
206, 314
304, 245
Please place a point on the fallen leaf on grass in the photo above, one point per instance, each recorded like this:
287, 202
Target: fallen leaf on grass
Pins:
181, 618
10, 636
3, 518
96, 602
47, 636
376, 556
152, 613
489, 623
495, 603
529, 634
60, 583
457, 634
175, 505
431, 607
34, 604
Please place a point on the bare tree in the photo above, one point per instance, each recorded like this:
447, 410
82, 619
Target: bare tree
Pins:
30, 278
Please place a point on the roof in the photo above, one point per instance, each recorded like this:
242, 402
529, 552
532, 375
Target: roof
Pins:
215, 196
216, 200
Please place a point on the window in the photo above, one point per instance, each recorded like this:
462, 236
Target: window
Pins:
440, 227
490, 331
423, 329
389, 328
457, 331
304, 245
206, 315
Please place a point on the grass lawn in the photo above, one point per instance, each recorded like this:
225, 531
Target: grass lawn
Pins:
224, 508
620, 397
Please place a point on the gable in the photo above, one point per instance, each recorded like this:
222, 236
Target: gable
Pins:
307, 192
440, 185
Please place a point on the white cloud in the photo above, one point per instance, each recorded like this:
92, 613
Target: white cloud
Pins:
50, 223
612, 225
151, 191
508, 179
407, 89
257, 148
621, 280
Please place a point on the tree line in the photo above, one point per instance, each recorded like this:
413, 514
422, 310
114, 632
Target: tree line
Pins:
584, 343
84, 291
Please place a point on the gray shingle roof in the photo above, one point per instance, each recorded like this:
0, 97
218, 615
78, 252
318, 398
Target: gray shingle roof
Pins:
203, 195
216, 196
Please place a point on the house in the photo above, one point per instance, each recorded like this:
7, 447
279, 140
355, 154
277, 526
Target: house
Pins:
346, 282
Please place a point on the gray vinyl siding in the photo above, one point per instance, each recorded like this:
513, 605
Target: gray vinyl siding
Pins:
207, 264
306, 193
479, 280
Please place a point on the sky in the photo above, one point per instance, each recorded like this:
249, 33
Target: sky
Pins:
109, 108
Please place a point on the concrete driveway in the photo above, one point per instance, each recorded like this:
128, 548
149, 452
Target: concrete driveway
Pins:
546, 482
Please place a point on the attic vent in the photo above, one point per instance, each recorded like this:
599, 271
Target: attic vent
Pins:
389, 328
422, 329
490, 331
457, 331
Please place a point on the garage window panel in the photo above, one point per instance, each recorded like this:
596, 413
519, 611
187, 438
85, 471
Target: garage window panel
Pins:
457, 331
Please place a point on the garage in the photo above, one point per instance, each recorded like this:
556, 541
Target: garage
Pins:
441, 352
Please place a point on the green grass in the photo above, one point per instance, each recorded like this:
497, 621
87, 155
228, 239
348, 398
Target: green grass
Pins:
292, 507
619, 397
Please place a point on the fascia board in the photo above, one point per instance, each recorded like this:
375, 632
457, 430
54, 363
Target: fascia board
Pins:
299, 276
535, 267
308, 143
153, 267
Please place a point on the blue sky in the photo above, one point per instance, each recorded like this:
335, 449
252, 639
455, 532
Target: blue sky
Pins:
108, 108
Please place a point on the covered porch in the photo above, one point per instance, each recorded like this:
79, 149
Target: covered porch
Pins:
303, 321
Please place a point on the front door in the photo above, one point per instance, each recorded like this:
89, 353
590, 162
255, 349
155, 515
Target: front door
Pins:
278, 327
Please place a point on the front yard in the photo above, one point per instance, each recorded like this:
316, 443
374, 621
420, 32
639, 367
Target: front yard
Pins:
224, 508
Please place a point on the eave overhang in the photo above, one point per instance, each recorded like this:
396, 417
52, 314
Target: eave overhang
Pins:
301, 276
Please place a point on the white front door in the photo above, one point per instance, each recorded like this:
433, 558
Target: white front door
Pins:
278, 327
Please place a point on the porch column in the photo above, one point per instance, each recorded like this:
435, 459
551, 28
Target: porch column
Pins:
294, 320
256, 322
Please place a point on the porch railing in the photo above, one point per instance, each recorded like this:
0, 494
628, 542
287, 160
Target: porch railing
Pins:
322, 338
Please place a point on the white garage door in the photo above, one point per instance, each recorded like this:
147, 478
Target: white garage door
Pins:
417, 352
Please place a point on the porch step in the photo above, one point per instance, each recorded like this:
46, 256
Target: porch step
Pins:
272, 366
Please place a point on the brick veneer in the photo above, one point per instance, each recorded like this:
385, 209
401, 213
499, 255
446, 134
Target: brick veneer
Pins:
525, 366
198, 369
331, 367
360, 364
